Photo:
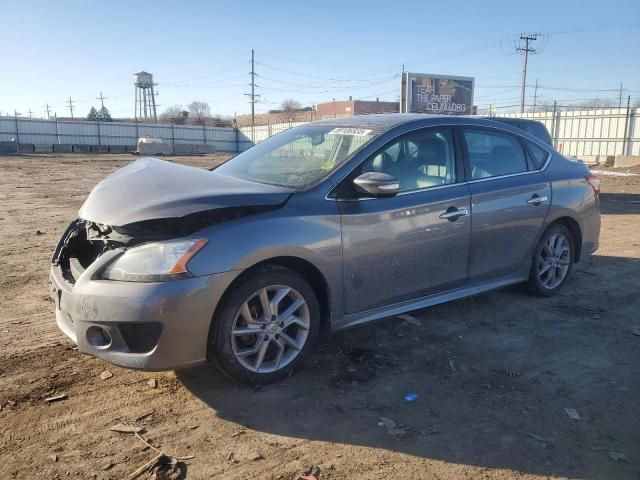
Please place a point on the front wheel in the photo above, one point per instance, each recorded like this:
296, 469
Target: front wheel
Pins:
266, 326
552, 261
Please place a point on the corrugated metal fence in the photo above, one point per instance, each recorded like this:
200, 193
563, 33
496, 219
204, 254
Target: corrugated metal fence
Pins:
610, 131
261, 132
82, 132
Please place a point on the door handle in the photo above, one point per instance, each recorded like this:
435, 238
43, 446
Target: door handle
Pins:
453, 213
537, 200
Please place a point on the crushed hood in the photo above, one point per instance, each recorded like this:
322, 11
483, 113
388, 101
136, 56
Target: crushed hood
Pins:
155, 189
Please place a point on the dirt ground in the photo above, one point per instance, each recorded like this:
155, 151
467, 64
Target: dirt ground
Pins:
494, 373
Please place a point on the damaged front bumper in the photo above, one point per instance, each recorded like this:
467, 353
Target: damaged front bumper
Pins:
149, 326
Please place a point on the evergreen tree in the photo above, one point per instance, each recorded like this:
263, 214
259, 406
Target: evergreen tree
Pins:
104, 115
93, 114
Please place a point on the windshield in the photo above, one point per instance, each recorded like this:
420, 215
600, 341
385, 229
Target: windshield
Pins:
299, 157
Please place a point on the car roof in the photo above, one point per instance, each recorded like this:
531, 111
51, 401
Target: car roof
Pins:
386, 121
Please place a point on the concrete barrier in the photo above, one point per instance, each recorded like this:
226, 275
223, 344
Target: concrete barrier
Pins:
99, 148
626, 161
597, 160
154, 149
62, 148
8, 148
81, 149
25, 148
117, 148
193, 149
39, 148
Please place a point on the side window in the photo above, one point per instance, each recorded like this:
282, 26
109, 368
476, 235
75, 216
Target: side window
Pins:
537, 154
538, 130
492, 153
420, 159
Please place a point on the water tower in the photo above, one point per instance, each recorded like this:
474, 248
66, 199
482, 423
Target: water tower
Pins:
145, 107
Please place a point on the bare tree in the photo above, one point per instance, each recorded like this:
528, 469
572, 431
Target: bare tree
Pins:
291, 108
174, 114
200, 112
593, 103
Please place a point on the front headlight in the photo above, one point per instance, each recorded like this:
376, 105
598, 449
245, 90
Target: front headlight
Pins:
153, 262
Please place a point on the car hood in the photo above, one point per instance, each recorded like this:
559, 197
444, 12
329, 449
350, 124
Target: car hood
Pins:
155, 189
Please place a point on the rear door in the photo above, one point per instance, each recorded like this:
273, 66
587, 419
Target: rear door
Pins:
414, 243
510, 199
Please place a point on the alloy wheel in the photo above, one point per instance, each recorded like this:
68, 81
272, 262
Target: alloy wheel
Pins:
554, 260
270, 329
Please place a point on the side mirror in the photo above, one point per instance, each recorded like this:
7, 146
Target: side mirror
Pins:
377, 183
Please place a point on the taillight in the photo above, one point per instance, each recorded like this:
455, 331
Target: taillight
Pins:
594, 182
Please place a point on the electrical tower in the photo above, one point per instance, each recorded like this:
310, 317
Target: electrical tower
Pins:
145, 98
47, 108
525, 49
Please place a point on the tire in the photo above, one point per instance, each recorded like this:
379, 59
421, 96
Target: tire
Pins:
551, 267
242, 329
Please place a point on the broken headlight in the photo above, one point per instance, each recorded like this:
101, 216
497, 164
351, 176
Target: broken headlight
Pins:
153, 262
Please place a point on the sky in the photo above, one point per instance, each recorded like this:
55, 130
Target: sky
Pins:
311, 51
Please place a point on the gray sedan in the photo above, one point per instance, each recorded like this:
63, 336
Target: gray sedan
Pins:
324, 226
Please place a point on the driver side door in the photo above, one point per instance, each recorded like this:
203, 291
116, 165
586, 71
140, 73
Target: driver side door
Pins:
408, 245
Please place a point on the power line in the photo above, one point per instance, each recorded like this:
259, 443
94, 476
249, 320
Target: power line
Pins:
526, 38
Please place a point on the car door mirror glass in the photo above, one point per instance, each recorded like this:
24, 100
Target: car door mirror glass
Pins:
377, 183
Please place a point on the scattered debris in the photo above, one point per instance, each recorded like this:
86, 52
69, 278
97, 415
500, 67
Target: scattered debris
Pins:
508, 373
452, 366
107, 466
617, 456
153, 383
410, 319
56, 398
411, 397
573, 413
106, 374
539, 438
312, 473
254, 457
394, 429
39, 232
121, 428
144, 416
193, 427
53, 457
238, 433
162, 466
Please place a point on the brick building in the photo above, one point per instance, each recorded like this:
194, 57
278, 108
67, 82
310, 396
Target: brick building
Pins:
348, 108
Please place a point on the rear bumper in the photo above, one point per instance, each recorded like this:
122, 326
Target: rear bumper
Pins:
149, 326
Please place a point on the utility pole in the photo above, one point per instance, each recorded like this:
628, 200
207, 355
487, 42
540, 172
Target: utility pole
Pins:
102, 99
30, 113
70, 102
253, 95
525, 49
47, 108
535, 96
620, 97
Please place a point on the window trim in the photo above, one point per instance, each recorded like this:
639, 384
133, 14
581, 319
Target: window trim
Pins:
458, 165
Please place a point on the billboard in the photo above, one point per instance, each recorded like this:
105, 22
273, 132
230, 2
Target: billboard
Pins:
436, 94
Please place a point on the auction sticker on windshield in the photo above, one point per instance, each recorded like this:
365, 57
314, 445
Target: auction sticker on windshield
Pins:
358, 132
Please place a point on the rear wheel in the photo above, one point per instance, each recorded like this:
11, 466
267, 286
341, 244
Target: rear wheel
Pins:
552, 261
266, 326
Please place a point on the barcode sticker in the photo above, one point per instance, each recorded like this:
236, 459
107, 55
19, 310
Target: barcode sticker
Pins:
358, 132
